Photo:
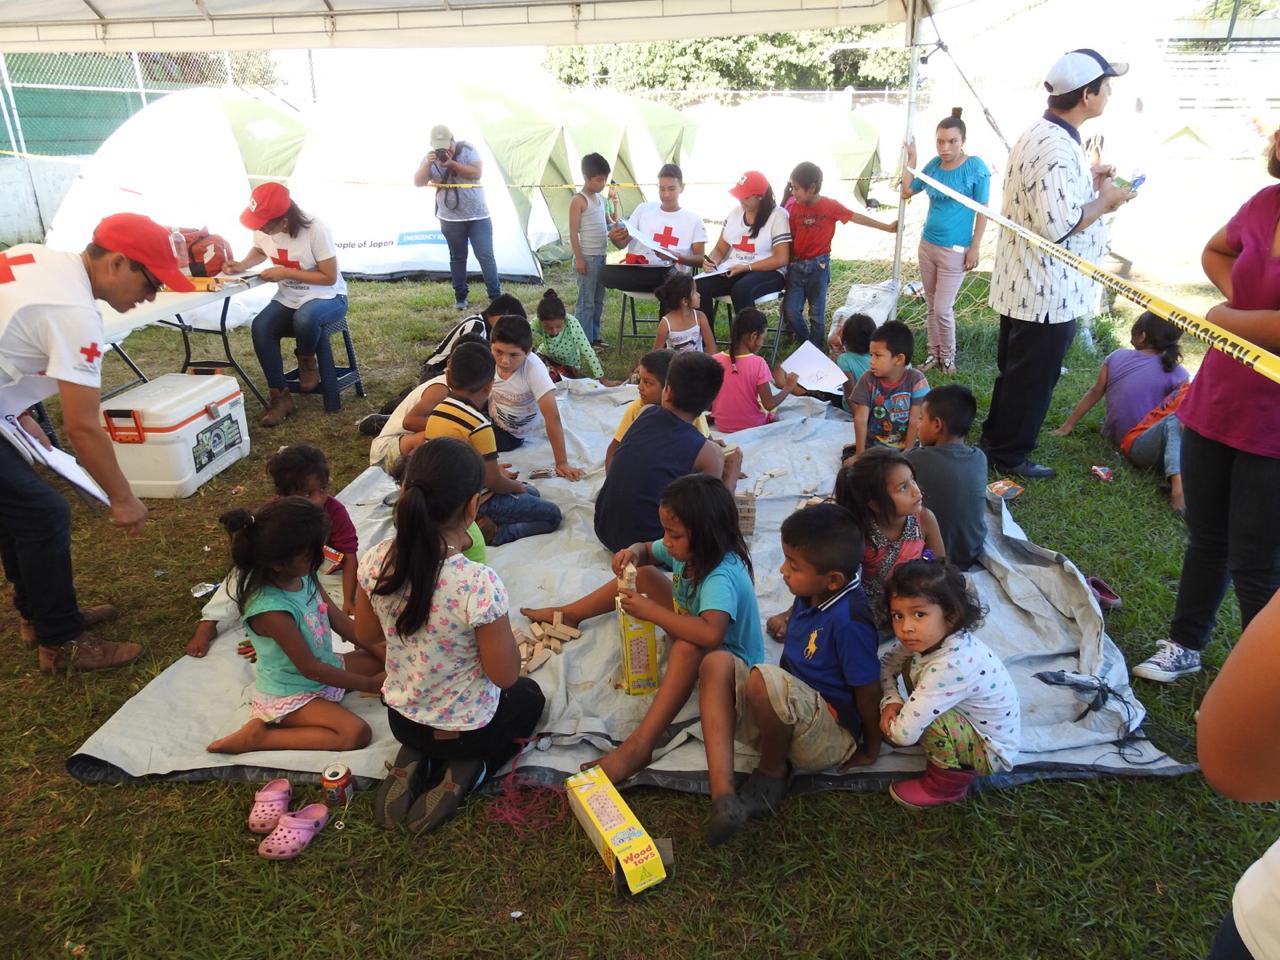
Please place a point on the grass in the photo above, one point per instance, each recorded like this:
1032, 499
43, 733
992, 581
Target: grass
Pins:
1116, 867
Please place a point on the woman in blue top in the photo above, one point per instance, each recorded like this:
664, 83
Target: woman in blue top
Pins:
708, 604
952, 233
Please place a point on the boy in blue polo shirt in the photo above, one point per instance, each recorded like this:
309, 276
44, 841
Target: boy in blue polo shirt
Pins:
805, 713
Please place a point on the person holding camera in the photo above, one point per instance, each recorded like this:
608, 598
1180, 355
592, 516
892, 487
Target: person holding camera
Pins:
453, 167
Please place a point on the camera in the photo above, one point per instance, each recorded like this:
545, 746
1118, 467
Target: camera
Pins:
442, 156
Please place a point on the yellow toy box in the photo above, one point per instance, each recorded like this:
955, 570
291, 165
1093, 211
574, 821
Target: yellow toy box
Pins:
629, 853
639, 654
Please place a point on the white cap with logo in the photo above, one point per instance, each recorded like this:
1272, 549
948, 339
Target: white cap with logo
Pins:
441, 137
1080, 68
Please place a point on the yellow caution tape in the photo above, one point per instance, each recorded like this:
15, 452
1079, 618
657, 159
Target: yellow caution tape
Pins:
260, 178
1249, 354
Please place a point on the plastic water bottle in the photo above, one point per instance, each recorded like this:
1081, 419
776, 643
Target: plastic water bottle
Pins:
179, 244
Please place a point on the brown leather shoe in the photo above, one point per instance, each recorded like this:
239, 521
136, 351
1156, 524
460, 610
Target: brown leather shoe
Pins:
99, 613
280, 409
308, 372
87, 652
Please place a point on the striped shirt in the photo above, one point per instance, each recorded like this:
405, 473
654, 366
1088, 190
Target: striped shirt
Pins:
454, 417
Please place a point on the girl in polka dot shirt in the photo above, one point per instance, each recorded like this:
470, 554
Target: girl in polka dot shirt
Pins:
961, 705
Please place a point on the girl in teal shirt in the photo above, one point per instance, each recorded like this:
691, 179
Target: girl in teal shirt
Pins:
708, 604
952, 233
296, 703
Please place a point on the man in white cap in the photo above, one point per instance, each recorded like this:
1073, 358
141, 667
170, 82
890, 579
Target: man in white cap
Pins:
461, 210
1051, 189
51, 342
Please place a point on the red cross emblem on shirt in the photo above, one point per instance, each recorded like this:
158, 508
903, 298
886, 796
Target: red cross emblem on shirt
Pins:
282, 260
91, 352
745, 245
7, 264
666, 238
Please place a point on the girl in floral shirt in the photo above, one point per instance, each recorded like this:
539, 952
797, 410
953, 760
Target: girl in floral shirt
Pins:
455, 698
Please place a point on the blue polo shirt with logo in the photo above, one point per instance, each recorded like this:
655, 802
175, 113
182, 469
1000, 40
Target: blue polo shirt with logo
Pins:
831, 647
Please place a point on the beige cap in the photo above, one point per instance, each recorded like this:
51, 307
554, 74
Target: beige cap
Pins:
441, 137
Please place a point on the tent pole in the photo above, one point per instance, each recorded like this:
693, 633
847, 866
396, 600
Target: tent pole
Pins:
913, 26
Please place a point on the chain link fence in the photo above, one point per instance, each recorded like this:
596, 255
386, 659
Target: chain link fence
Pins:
66, 104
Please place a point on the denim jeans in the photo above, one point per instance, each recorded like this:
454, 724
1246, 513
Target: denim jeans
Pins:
35, 546
520, 515
479, 233
807, 282
1160, 446
591, 297
303, 324
1233, 522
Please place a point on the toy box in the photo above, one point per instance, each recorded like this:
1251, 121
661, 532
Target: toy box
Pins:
176, 431
629, 853
640, 664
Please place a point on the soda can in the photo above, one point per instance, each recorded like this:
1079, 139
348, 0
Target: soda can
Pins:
336, 783
1105, 474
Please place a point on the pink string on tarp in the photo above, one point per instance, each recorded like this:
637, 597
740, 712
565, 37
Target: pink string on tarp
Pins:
525, 805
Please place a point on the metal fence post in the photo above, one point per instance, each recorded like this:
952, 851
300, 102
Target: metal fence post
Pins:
137, 75
13, 105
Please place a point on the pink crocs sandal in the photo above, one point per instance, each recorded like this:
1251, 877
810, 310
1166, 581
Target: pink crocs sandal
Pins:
269, 805
294, 831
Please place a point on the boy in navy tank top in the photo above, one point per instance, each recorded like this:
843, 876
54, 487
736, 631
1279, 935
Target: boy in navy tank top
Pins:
660, 446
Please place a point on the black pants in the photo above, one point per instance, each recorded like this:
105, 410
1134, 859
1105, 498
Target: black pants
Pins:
633, 279
1233, 522
35, 546
744, 290
519, 708
1227, 944
506, 441
1029, 360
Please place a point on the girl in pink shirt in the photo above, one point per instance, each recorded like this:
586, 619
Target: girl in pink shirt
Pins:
747, 399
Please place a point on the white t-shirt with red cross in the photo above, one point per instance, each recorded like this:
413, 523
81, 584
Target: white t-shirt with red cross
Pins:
50, 327
675, 231
744, 248
312, 245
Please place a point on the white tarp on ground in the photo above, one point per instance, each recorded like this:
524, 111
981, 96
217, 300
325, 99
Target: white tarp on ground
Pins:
1042, 618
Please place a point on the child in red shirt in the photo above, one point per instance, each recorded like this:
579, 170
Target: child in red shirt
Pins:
813, 224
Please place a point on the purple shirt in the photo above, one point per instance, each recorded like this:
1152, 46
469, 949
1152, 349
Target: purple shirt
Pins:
1227, 401
342, 532
1136, 383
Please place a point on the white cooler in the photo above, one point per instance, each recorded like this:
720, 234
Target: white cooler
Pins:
176, 431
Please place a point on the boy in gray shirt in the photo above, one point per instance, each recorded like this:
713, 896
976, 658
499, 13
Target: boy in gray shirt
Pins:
951, 474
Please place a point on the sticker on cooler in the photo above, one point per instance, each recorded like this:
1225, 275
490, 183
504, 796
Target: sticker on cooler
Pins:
215, 440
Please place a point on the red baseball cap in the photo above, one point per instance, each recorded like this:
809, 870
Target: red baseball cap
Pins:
268, 201
753, 183
144, 241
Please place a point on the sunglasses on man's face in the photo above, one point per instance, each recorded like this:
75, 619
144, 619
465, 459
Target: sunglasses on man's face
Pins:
152, 282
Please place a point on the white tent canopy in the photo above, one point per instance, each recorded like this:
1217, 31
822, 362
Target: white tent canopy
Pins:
82, 25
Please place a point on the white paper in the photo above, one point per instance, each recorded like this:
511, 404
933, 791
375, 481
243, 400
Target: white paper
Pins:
56, 460
815, 369
663, 254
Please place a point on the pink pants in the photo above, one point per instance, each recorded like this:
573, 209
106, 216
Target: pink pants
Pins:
941, 270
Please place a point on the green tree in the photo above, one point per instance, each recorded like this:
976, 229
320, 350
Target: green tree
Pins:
773, 61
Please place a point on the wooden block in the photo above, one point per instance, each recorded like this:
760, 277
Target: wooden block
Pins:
568, 633
553, 644
537, 649
541, 656
628, 579
536, 630
557, 618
